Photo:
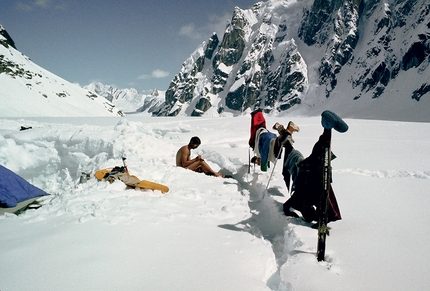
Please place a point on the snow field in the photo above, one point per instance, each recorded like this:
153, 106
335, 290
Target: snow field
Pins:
210, 233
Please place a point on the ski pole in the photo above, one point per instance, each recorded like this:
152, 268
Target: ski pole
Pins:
249, 160
274, 166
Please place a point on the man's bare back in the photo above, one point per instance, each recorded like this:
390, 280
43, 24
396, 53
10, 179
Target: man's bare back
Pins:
182, 152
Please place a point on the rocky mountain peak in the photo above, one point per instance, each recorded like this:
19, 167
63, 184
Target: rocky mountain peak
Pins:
309, 55
228, 76
5, 38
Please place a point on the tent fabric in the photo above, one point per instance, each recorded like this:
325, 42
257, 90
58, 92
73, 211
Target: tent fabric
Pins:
14, 189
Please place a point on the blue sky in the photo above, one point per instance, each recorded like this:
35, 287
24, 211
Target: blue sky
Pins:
130, 43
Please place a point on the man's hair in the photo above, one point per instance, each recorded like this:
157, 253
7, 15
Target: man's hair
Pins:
195, 140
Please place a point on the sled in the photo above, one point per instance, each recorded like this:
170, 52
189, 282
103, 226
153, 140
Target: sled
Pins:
129, 180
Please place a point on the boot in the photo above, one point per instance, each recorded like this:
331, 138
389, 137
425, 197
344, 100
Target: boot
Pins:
292, 127
279, 127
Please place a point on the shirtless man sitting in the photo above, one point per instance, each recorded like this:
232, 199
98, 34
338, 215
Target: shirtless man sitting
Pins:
197, 164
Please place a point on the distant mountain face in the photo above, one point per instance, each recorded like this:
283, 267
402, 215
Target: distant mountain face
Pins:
128, 100
361, 58
27, 90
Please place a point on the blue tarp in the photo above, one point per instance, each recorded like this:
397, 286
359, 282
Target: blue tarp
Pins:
14, 189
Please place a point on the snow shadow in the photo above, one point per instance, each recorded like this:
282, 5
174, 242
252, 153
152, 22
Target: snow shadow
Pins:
267, 221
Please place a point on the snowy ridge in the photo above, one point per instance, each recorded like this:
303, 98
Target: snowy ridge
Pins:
128, 100
29, 90
222, 230
387, 173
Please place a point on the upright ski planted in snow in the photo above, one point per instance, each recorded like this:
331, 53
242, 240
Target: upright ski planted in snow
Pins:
323, 230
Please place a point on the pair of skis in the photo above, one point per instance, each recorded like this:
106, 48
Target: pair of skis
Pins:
323, 229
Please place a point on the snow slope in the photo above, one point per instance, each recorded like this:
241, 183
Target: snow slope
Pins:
29, 90
211, 233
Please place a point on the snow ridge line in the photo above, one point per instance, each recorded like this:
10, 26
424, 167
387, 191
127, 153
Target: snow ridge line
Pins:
386, 173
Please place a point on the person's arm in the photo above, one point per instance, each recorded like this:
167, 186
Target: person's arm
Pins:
185, 157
